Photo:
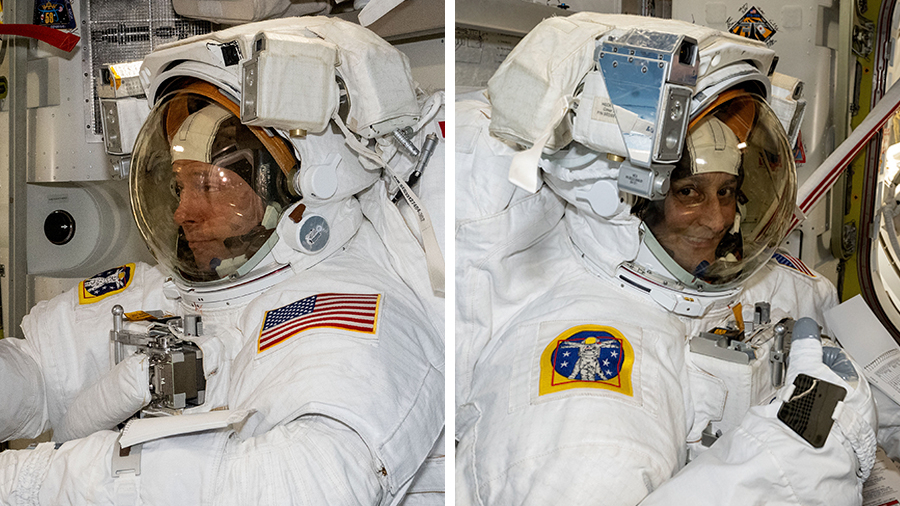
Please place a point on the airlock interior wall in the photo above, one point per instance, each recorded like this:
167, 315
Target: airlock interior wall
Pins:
68, 169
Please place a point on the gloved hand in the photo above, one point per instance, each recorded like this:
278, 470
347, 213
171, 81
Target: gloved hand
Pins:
808, 356
117, 395
855, 415
763, 461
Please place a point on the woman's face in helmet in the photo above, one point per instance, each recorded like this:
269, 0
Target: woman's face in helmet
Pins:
698, 211
730, 198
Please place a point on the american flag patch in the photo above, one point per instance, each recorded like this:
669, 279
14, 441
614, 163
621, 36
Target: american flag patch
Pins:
347, 311
793, 263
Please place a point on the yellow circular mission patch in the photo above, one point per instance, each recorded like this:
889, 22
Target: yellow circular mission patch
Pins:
106, 283
587, 356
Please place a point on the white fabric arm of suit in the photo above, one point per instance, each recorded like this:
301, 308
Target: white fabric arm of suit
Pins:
312, 460
24, 411
112, 399
764, 462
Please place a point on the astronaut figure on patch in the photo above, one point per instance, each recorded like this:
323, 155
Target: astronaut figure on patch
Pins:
301, 357
588, 365
641, 188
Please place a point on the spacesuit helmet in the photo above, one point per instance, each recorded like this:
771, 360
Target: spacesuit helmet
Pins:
207, 191
730, 199
259, 138
628, 112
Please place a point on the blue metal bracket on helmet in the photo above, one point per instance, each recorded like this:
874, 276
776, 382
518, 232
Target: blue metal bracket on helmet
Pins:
653, 72
641, 122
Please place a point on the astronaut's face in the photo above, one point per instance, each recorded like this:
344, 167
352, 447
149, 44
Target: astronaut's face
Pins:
216, 207
698, 211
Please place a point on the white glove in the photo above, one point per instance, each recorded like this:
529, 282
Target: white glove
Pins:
762, 461
117, 395
855, 415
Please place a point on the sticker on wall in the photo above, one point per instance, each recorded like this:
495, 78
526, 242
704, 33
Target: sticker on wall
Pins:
54, 14
799, 150
753, 25
587, 356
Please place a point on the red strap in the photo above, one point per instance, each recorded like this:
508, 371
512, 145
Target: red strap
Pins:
56, 38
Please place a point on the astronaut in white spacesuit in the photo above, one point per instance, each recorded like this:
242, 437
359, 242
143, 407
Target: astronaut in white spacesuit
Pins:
316, 368
653, 184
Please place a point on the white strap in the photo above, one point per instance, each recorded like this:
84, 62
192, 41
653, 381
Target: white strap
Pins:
141, 430
433, 257
524, 170
375, 9
125, 469
126, 489
430, 109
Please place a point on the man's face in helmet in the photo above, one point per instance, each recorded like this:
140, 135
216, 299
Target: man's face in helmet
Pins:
215, 207
698, 211
206, 191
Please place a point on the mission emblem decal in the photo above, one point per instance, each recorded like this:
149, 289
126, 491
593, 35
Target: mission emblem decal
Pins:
105, 284
753, 25
587, 356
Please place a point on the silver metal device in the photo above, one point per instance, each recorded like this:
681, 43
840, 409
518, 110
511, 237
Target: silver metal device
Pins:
653, 72
176, 364
401, 135
749, 363
423, 157
642, 120
780, 349
762, 339
725, 344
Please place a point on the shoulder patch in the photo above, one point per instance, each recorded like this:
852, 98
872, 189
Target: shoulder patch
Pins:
793, 263
345, 311
107, 283
587, 356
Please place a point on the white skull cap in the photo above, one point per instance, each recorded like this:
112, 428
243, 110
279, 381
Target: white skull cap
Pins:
713, 147
194, 138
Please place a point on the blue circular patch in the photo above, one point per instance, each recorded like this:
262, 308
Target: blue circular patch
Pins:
589, 356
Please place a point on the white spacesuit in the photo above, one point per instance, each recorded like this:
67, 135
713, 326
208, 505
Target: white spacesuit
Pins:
320, 336
648, 244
